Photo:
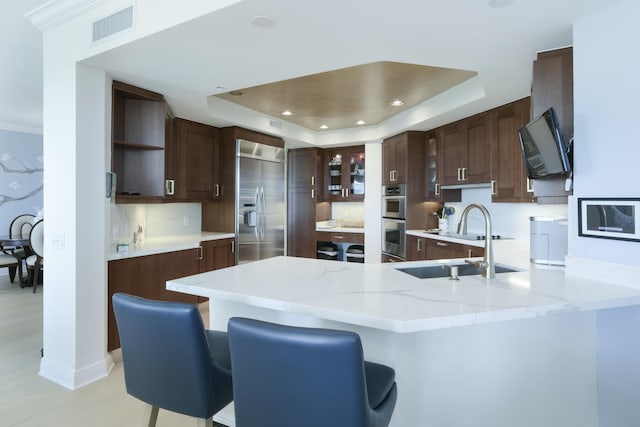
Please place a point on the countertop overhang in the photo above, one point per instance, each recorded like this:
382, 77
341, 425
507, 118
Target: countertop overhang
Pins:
379, 296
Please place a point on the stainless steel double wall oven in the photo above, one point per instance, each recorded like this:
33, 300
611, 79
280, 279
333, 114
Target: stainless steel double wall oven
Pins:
393, 220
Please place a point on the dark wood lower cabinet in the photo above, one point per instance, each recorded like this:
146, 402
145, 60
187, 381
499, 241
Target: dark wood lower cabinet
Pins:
217, 254
422, 248
146, 276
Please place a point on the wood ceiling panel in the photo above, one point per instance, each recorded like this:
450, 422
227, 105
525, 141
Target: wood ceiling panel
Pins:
340, 98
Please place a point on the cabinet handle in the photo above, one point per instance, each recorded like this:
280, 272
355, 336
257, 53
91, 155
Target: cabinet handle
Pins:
442, 244
529, 185
169, 187
313, 193
493, 188
419, 245
217, 192
346, 192
233, 246
200, 252
470, 254
464, 174
337, 237
313, 180
437, 190
459, 174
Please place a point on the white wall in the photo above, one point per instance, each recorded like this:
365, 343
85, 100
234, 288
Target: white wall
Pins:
606, 91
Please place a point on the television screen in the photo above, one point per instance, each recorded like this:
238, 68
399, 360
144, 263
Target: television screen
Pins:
542, 147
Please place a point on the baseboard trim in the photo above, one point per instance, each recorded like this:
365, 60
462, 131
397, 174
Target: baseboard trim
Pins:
74, 379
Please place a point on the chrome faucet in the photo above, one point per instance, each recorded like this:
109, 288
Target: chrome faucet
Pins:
488, 264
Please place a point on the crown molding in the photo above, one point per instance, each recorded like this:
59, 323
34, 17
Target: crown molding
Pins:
56, 12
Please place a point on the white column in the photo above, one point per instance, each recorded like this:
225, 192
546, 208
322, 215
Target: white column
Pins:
75, 132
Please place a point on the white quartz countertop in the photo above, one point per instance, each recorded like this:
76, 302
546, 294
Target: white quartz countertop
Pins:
157, 245
379, 296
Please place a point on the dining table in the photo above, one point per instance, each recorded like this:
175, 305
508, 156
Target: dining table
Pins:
9, 244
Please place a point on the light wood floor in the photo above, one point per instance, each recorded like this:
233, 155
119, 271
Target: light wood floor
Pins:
26, 399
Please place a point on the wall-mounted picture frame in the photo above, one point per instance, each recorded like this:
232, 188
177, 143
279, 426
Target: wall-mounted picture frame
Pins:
609, 218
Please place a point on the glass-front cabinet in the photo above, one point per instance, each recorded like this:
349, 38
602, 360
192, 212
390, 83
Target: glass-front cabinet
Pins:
345, 174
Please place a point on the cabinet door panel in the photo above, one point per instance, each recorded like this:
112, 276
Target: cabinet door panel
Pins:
197, 152
344, 174
508, 172
437, 249
216, 254
479, 150
304, 169
389, 160
416, 248
454, 153
146, 277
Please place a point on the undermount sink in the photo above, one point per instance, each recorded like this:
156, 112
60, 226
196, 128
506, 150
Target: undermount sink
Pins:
441, 270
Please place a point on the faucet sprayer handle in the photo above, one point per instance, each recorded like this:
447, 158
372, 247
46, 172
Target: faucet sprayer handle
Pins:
477, 264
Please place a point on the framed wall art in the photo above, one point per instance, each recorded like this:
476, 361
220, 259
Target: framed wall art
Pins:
609, 218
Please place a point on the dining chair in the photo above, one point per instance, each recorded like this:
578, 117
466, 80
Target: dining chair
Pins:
20, 228
170, 361
35, 262
287, 376
11, 262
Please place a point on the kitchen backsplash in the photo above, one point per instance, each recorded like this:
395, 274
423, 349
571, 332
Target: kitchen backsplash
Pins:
153, 220
507, 219
351, 211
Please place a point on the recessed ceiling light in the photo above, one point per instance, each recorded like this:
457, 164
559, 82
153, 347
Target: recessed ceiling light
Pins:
397, 103
500, 3
324, 127
361, 122
287, 113
236, 92
263, 22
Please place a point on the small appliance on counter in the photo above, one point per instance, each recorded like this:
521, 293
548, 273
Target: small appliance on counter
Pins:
548, 240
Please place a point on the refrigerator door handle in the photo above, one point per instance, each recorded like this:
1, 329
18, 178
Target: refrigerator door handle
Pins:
263, 213
256, 202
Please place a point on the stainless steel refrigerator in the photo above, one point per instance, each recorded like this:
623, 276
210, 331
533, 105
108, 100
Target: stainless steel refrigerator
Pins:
260, 208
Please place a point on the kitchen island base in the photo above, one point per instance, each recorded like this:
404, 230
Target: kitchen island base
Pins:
527, 373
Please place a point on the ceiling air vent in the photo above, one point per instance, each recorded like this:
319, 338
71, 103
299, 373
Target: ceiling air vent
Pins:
112, 24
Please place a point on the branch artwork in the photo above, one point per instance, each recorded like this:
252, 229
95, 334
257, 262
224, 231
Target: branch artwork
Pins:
22, 169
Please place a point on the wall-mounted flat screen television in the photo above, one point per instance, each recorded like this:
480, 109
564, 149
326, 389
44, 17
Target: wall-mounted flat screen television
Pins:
545, 154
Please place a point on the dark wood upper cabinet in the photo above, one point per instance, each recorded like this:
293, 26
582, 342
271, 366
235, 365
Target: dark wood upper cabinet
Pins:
394, 160
403, 162
509, 180
434, 172
195, 153
466, 151
553, 87
139, 138
344, 174
219, 215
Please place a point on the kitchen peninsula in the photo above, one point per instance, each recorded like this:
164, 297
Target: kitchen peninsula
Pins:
518, 350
